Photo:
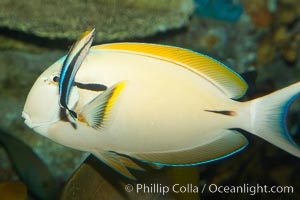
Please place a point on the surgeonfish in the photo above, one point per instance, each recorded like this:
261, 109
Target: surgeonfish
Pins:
164, 105
70, 66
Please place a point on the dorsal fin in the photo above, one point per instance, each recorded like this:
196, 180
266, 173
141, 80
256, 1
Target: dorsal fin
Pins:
228, 81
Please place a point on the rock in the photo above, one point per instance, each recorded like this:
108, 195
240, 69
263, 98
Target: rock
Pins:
265, 52
259, 12
283, 37
113, 19
214, 39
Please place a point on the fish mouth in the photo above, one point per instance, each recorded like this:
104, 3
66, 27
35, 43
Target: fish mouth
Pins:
39, 128
27, 119
31, 124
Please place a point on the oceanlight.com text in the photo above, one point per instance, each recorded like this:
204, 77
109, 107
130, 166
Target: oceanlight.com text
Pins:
156, 188
248, 189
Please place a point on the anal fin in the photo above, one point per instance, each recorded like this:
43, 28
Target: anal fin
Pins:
118, 162
225, 144
129, 163
155, 166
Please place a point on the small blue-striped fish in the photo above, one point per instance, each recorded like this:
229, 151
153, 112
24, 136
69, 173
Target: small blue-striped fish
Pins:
71, 64
164, 105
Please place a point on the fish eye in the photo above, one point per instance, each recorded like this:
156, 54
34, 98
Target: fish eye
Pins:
55, 79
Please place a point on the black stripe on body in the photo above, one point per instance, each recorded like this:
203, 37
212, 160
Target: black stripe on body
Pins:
91, 86
223, 112
86, 86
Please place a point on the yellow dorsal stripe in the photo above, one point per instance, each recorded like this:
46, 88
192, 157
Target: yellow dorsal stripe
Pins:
85, 34
229, 82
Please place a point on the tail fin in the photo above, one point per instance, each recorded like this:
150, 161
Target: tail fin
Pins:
268, 116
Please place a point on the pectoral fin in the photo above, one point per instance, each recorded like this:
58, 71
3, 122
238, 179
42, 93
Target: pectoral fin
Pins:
225, 144
118, 163
96, 112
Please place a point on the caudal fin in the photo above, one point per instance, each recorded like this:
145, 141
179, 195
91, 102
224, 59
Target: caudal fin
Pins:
268, 118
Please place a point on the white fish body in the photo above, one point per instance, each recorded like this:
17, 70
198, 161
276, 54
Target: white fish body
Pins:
165, 110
